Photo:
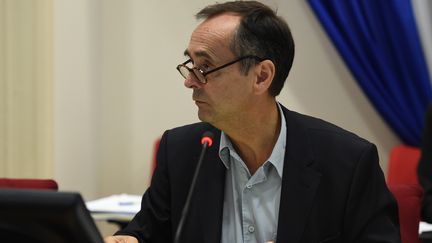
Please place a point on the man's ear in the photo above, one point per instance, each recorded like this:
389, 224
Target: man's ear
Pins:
264, 73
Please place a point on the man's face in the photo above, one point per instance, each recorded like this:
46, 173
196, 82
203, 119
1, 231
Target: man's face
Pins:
227, 92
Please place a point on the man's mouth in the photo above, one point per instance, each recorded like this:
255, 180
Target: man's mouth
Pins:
199, 102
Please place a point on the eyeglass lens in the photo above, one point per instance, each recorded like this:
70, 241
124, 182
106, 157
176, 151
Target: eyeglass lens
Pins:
187, 71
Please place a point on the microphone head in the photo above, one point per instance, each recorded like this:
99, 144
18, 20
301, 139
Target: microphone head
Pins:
207, 137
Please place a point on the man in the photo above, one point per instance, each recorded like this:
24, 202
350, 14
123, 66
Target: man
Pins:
273, 175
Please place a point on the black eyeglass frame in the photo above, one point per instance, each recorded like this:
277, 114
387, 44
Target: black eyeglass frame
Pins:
205, 73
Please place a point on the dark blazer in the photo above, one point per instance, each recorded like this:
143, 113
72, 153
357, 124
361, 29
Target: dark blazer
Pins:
333, 189
425, 167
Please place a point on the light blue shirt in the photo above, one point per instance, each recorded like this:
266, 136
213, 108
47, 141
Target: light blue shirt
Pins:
251, 203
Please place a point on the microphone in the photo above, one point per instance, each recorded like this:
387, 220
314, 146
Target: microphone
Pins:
206, 141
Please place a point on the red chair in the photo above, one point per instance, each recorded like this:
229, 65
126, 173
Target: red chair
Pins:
402, 181
408, 198
402, 166
155, 150
46, 184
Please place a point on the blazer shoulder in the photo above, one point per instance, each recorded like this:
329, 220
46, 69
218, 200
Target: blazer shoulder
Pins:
189, 134
319, 129
195, 129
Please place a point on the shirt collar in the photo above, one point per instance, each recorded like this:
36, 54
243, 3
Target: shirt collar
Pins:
225, 148
276, 158
278, 153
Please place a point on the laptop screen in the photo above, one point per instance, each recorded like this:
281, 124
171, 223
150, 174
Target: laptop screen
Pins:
45, 216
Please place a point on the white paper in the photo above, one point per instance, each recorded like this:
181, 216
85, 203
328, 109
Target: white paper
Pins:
424, 227
122, 203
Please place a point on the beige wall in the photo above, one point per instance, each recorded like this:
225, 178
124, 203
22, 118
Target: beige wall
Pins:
76, 95
117, 89
26, 101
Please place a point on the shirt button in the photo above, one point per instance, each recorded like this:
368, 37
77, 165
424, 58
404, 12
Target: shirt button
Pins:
251, 229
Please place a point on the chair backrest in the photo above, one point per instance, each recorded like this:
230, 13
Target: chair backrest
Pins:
408, 198
402, 165
46, 184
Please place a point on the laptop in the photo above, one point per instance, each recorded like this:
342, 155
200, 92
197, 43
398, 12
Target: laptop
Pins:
41, 216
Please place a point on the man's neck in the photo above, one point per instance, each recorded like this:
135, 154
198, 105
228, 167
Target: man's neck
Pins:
255, 134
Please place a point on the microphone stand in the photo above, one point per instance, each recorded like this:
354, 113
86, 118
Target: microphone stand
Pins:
190, 193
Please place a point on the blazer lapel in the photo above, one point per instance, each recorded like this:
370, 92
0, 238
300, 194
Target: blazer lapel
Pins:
210, 194
299, 182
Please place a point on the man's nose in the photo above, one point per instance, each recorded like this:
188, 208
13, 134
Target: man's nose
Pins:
192, 83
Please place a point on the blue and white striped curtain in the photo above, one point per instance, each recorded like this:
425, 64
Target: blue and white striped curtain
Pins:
387, 45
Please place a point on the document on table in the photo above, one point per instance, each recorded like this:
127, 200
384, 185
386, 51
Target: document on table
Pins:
425, 227
121, 204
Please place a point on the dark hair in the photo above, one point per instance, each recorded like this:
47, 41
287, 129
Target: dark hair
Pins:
262, 33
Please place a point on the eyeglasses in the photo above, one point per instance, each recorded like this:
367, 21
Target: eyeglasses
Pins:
186, 71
